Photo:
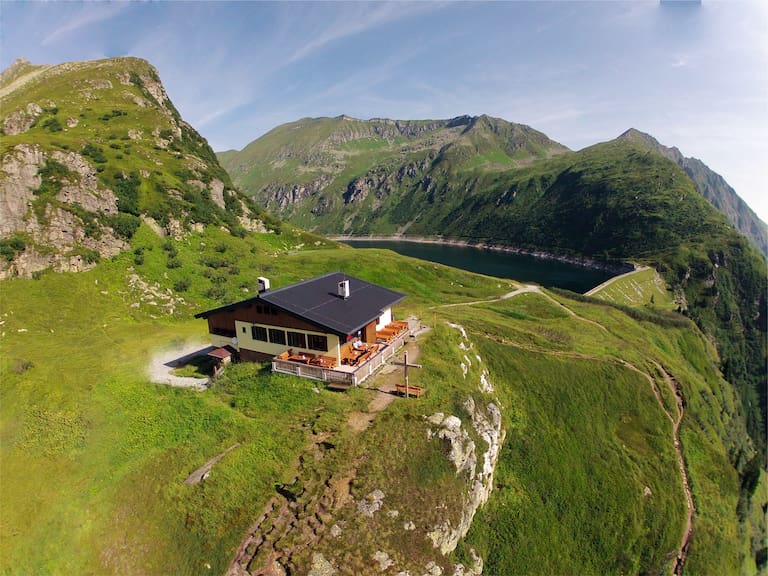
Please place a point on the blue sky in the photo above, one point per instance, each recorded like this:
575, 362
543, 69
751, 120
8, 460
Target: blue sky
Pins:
693, 75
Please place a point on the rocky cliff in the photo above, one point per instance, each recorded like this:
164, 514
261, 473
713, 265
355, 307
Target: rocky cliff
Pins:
67, 230
476, 460
320, 171
89, 150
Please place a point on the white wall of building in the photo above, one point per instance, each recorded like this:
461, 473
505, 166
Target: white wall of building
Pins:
245, 340
384, 319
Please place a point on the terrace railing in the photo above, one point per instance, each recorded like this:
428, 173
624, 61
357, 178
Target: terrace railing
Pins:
350, 378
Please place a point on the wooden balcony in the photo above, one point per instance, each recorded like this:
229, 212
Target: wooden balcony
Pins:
343, 375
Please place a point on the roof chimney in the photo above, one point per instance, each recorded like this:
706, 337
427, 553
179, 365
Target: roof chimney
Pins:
343, 290
263, 284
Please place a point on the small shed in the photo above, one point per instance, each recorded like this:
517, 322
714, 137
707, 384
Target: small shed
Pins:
221, 356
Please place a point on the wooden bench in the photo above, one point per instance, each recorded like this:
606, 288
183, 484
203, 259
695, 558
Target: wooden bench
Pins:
415, 391
386, 335
357, 360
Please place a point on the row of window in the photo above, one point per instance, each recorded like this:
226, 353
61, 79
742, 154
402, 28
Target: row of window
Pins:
297, 339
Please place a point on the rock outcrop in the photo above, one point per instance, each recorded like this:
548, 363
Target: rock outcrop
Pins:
55, 227
21, 120
463, 451
473, 450
77, 174
282, 196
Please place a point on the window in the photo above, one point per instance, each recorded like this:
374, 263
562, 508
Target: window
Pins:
277, 336
317, 342
297, 339
259, 333
243, 329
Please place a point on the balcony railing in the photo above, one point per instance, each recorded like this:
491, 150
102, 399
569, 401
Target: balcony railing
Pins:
346, 377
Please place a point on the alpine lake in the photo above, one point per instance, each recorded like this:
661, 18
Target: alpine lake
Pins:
523, 268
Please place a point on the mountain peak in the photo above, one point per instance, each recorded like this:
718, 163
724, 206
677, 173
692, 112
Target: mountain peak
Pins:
711, 185
95, 148
635, 135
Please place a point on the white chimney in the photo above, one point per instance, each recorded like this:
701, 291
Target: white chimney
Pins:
344, 289
263, 284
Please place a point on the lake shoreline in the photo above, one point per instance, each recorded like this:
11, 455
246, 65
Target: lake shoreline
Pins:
614, 267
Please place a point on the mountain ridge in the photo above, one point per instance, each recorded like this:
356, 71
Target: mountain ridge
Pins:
90, 150
316, 175
304, 160
714, 188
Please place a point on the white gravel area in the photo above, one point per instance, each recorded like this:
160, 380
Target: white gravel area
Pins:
165, 360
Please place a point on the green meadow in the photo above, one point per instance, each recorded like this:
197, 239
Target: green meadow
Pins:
94, 456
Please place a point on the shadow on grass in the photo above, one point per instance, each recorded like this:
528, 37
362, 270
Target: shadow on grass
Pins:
196, 365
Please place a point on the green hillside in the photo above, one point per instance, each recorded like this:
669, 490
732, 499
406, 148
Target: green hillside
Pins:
714, 188
565, 405
640, 287
94, 456
622, 199
325, 172
87, 149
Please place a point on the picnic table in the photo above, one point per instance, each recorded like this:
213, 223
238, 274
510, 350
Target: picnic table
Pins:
324, 361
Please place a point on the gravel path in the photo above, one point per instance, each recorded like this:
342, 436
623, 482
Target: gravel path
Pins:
165, 360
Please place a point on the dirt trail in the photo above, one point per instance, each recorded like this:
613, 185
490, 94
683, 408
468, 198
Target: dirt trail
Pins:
526, 289
685, 542
385, 391
521, 290
201, 473
301, 511
295, 517
676, 419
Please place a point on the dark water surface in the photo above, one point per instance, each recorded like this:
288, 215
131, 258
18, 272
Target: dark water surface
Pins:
548, 273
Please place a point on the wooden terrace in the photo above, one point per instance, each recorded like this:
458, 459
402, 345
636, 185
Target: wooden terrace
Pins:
356, 364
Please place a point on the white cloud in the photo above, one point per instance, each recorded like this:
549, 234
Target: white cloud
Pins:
360, 19
88, 15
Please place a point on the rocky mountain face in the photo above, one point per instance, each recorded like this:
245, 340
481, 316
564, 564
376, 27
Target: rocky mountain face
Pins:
90, 150
326, 172
713, 187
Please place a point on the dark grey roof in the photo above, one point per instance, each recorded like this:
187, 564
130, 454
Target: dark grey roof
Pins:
317, 301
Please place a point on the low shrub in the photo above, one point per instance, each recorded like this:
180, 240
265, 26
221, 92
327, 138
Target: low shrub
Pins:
11, 247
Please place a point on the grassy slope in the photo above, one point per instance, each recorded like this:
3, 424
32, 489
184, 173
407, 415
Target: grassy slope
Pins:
607, 424
94, 456
341, 150
168, 158
613, 200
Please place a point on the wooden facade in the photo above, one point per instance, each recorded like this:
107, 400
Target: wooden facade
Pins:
313, 323
234, 327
